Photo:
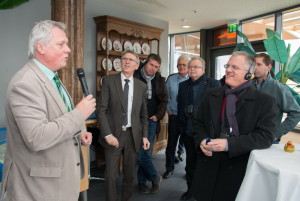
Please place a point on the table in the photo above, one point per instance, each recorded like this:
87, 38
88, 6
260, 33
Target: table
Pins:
272, 175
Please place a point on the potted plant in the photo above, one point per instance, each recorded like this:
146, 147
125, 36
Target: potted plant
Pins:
277, 50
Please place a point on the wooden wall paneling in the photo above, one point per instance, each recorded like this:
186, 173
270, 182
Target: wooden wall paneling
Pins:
71, 13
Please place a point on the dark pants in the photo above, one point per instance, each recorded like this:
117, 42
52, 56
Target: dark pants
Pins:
172, 142
112, 155
191, 157
180, 149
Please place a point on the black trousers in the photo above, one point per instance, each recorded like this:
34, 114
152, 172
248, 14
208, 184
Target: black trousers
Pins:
172, 142
191, 157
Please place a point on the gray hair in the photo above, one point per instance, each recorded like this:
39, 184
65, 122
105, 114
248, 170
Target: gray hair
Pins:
182, 57
131, 52
199, 59
250, 60
41, 32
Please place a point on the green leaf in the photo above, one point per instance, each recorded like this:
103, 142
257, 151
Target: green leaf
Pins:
237, 47
276, 49
277, 77
242, 47
272, 33
295, 94
294, 64
8, 4
246, 41
295, 77
248, 50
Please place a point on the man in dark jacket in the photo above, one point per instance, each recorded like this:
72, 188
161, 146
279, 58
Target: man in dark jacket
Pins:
190, 96
157, 104
231, 122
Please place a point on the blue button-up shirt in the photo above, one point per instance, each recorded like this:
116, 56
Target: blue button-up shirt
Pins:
172, 87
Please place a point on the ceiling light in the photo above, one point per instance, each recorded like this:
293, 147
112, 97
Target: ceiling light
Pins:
185, 26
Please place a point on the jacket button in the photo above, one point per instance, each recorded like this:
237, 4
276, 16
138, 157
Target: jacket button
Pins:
76, 144
78, 164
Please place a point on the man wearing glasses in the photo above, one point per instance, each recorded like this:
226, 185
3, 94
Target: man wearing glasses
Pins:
190, 96
231, 122
123, 119
173, 82
157, 104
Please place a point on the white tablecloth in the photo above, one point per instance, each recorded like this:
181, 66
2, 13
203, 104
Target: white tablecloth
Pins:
272, 175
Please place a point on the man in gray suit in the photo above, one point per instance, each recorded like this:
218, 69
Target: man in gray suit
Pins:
123, 121
43, 159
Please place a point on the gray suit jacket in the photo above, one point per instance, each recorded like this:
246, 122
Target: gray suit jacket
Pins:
111, 107
43, 157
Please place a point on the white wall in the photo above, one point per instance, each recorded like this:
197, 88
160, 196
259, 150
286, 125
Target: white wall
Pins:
16, 25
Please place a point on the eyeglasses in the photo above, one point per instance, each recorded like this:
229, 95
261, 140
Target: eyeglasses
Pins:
182, 65
234, 67
195, 67
128, 59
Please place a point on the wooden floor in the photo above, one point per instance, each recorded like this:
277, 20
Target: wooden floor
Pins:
171, 188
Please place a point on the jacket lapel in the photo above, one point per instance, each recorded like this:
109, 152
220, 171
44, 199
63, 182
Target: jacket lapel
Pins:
48, 86
118, 85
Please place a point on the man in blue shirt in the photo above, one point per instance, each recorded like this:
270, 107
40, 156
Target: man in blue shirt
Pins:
284, 99
172, 87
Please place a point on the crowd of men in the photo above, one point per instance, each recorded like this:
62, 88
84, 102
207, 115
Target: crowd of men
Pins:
218, 126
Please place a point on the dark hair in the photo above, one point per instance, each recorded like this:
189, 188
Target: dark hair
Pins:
154, 57
266, 58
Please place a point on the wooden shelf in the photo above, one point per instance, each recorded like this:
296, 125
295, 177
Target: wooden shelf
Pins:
116, 29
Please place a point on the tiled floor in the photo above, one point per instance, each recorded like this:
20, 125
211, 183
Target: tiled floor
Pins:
171, 188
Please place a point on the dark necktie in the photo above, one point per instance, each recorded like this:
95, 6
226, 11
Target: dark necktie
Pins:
125, 96
60, 90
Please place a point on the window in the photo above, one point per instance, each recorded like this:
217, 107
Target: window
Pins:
291, 35
256, 29
291, 28
183, 44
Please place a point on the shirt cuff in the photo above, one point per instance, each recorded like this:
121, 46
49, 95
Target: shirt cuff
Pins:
108, 136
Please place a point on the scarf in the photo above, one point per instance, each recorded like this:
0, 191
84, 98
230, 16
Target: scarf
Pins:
148, 80
230, 109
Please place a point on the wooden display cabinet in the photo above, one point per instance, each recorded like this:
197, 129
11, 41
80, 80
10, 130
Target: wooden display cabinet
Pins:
122, 31
112, 30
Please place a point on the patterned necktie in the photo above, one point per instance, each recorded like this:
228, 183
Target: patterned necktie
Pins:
60, 90
125, 96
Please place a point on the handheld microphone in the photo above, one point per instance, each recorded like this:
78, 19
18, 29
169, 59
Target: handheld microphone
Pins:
81, 77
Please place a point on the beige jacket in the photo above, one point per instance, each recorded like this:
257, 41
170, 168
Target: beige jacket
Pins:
43, 160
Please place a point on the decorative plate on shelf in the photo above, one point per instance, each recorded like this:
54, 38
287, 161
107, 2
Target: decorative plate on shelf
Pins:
117, 46
137, 48
103, 43
128, 45
109, 64
117, 64
146, 49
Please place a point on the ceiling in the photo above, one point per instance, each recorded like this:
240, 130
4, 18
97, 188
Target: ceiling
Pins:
201, 14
